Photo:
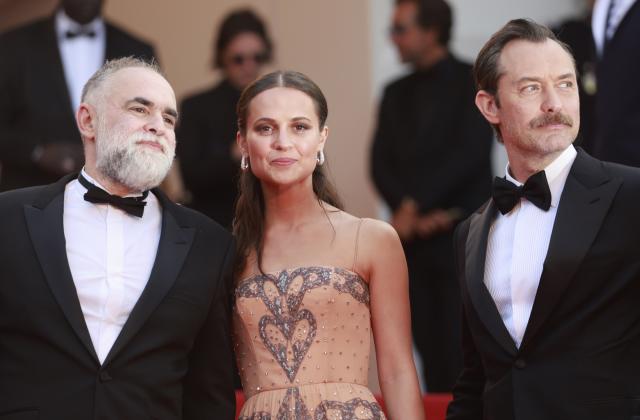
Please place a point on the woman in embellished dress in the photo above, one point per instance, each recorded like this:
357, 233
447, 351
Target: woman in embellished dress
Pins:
312, 281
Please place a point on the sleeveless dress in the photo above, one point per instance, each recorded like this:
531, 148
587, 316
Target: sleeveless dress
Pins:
302, 341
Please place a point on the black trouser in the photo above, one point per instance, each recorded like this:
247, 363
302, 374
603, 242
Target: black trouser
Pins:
435, 310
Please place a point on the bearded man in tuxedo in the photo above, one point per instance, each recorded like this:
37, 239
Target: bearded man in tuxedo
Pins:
549, 267
114, 300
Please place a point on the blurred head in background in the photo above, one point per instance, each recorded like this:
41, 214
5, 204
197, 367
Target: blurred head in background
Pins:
421, 30
242, 48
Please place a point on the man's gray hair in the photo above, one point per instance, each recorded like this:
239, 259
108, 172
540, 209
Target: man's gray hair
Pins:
112, 66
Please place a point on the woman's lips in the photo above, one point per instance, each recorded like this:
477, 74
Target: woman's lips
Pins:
283, 161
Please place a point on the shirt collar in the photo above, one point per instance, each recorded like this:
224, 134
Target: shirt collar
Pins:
64, 23
556, 173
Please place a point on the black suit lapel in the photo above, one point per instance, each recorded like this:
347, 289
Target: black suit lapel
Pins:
44, 221
174, 245
476, 251
627, 20
52, 63
586, 198
112, 48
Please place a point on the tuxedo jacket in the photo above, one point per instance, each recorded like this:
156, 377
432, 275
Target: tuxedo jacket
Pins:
35, 106
617, 102
580, 354
172, 359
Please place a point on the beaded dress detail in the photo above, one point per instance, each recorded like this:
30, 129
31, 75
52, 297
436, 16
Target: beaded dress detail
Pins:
302, 340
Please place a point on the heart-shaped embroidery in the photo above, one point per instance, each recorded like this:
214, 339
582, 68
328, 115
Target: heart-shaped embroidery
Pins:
356, 408
288, 333
293, 407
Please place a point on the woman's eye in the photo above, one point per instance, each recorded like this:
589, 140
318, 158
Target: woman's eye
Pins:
265, 129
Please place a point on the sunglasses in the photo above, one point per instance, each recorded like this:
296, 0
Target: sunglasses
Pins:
258, 58
398, 29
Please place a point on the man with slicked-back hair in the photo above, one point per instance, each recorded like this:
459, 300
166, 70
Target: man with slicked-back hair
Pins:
549, 267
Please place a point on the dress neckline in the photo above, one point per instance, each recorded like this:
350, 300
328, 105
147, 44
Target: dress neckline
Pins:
294, 268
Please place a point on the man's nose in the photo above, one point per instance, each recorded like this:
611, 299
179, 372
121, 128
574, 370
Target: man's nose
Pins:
552, 102
155, 124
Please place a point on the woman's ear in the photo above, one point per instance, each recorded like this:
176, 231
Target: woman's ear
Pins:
241, 141
324, 133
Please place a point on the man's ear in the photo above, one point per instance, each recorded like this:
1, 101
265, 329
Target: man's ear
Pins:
86, 120
488, 106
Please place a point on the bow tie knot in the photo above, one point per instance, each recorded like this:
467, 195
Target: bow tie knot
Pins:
80, 32
536, 190
132, 205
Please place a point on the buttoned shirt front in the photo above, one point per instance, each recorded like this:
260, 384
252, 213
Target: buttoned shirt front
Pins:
517, 247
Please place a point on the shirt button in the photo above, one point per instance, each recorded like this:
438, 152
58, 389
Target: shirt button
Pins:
520, 364
104, 376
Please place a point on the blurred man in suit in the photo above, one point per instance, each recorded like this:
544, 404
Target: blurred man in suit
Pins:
616, 31
431, 164
44, 66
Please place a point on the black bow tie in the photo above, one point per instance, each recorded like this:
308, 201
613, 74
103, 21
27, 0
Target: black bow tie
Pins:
506, 194
80, 32
132, 205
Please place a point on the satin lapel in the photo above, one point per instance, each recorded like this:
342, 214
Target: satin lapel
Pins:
476, 251
585, 201
44, 221
175, 242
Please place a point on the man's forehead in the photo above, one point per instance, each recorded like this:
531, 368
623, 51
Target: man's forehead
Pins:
521, 56
132, 82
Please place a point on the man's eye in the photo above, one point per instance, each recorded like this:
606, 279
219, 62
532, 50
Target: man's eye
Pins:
265, 129
530, 88
169, 121
138, 109
567, 84
301, 127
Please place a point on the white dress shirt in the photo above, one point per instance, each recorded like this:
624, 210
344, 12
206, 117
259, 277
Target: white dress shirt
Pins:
110, 254
517, 247
81, 56
599, 20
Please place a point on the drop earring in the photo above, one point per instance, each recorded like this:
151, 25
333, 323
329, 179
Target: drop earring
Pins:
320, 158
244, 162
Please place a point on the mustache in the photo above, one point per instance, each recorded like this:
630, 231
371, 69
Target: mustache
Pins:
547, 119
138, 137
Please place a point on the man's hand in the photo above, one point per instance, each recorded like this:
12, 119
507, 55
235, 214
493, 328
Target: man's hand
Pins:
404, 219
59, 158
436, 221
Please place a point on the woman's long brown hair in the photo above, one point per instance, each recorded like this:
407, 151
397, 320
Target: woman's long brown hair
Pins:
248, 224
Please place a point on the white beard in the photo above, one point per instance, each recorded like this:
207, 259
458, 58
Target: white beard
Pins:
135, 166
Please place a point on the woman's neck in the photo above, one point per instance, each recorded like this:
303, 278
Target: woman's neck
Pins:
291, 206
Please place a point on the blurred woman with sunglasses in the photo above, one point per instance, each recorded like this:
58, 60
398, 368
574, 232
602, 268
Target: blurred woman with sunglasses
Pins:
206, 147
